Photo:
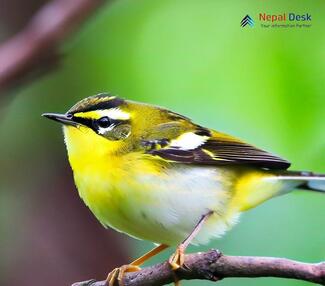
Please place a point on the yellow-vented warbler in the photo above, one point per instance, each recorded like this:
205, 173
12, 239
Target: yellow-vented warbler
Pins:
155, 175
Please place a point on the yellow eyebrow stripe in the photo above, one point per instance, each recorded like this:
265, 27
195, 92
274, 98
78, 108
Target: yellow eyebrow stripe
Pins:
113, 113
90, 114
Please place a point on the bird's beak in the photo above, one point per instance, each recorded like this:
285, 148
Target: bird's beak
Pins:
65, 119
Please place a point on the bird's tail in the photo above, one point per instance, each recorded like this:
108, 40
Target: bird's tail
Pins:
305, 180
255, 188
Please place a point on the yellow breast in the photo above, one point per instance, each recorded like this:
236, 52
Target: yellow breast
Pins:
105, 179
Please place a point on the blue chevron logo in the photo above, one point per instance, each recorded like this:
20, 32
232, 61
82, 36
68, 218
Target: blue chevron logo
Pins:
247, 20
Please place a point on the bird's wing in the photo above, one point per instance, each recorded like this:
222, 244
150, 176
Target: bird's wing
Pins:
208, 147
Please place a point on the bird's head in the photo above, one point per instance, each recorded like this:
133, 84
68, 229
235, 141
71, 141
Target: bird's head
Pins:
97, 125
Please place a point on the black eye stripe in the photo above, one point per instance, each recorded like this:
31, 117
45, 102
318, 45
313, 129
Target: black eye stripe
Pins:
93, 123
84, 121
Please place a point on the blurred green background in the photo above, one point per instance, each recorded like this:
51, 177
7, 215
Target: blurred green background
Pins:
265, 86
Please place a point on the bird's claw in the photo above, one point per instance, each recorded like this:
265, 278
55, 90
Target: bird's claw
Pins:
177, 259
118, 274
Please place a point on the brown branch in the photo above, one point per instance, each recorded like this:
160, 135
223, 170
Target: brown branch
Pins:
37, 43
214, 266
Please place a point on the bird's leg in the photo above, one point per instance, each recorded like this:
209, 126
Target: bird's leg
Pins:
177, 259
118, 273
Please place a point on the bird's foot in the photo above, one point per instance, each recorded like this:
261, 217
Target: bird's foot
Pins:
117, 274
177, 259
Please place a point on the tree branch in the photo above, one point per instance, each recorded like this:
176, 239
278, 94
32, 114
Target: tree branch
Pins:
214, 266
37, 43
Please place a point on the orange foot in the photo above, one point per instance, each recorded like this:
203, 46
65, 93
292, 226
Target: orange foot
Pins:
118, 273
177, 259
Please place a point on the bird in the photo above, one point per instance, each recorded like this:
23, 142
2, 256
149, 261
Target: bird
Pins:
155, 175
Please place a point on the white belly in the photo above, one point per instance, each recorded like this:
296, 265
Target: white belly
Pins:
165, 209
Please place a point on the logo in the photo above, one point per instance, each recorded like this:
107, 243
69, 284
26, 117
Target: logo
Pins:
278, 21
284, 17
285, 20
247, 20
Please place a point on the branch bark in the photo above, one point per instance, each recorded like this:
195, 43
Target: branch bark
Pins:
214, 266
37, 43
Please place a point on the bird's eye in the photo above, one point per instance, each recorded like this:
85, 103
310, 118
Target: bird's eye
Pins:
104, 122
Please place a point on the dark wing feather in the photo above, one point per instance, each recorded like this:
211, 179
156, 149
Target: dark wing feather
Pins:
221, 149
